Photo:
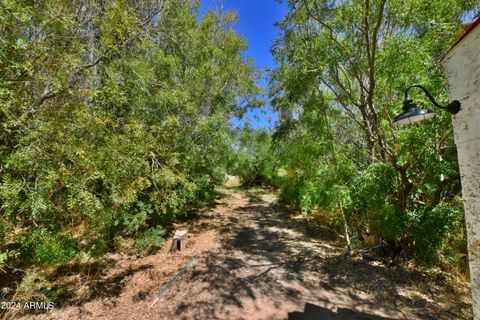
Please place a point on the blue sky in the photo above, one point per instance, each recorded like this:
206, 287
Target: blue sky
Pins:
256, 24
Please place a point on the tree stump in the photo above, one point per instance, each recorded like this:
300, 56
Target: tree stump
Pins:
179, 240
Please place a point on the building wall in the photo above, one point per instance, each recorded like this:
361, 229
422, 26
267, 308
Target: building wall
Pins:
462, 66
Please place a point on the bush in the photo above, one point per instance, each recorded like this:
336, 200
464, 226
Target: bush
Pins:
48, 247
112, 157
35, 287
150, 238
125, 245
290, 191
431, 228
253, 161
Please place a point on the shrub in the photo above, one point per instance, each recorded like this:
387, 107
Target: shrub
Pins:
48, 247
431, 228
36, 287
150, 238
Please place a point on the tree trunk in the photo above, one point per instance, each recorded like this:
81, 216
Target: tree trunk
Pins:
347, 236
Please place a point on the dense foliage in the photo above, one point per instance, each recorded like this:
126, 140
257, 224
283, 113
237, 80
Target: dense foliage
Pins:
252, 160
114, 119
342, 70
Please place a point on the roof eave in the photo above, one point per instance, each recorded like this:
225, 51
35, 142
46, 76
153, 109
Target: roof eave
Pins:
470, 27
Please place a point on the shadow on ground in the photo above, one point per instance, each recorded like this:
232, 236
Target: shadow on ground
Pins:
314, 312
268, 260
98, 285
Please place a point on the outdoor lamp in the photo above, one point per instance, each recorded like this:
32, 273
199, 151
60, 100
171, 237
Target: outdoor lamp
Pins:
412, 114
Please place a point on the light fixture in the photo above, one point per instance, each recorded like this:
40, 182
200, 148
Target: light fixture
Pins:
412, 114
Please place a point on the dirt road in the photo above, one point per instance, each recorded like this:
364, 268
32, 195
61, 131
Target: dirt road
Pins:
254, 261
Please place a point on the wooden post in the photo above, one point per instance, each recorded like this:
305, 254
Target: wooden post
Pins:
179, 240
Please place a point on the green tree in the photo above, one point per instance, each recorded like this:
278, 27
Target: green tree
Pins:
253, 160
114, 119
343, 66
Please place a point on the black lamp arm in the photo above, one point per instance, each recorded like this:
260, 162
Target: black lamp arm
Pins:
426, 92
453, 107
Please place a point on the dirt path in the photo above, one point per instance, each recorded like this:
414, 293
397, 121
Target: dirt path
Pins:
253, 261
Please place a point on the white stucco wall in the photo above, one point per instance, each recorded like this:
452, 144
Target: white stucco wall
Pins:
462, 66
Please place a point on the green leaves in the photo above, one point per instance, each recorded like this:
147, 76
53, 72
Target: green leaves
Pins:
431, 228
253, 161
48, 246
342, 70
372, 187
114, 119
151, 238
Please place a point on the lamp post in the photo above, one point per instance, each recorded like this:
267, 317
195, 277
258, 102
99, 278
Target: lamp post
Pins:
412, 114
